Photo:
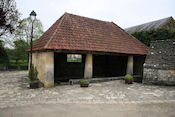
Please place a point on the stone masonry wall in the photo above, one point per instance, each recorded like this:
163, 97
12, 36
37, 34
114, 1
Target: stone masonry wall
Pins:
44, 61
159, 67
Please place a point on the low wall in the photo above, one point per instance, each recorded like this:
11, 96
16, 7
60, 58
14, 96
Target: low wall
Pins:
158, 76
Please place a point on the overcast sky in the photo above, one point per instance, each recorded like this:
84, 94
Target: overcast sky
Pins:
124, 13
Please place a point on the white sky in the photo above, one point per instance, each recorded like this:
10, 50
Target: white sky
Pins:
124, 13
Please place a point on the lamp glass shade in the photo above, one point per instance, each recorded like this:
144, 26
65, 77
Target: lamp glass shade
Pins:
32, 15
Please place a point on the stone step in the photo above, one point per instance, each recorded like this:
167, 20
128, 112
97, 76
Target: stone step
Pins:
95, 80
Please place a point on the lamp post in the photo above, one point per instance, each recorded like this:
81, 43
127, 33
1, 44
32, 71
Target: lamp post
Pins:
32, 17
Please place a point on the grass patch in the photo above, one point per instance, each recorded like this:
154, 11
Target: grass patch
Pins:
76, 60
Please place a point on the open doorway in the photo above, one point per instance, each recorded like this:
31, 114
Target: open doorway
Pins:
68, 66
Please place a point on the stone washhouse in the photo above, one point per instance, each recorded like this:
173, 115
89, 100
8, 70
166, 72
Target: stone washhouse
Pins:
77, 47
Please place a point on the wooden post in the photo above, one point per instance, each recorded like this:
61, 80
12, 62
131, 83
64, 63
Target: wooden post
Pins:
130, 65
88, 66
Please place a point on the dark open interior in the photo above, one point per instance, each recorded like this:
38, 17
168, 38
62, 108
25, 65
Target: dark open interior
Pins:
138, 67
103, 66
63, 70
109, 65
138, 64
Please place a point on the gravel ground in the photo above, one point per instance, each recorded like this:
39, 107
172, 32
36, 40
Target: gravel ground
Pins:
14, 92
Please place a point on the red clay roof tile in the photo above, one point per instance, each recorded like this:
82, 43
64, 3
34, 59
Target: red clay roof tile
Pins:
72, 32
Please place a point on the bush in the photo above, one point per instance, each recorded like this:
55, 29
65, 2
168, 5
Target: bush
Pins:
84, 81
35, 73
128, 77
31, 73
154, 34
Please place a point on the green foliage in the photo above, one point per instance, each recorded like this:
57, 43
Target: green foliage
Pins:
13, 57
23, 31
35, 73
84, 81
18, 56
10, 53
22, 39
31, 73
3, 61
18, 62
155, 34
3, 54
2, 43
20, 49
128, 77
8, 17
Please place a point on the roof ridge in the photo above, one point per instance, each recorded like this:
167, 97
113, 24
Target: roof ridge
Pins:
87, 17
147, 23
55, 31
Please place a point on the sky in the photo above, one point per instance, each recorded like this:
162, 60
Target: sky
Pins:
125, 13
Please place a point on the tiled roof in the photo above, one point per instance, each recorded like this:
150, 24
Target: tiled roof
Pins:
72, 32
150, 25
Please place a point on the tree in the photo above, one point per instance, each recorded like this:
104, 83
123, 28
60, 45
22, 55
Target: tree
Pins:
8, 17
2, 51
3, 54
22, 37
10, 53
20, 49
2, 43
155, 34
23, 31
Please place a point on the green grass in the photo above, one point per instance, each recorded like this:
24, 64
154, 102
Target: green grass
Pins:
84, 81
19, 62
77, 60
13, 63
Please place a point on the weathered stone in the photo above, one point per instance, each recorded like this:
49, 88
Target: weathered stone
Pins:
44, 62
159, 66
130, 65
88, 66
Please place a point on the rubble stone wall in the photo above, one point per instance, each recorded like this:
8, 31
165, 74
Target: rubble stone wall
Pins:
159, 66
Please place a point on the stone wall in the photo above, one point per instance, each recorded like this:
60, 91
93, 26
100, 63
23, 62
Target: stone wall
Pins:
159, 67
44, 61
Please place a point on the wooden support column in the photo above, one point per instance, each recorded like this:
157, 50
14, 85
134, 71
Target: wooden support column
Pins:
130, 65
88, 66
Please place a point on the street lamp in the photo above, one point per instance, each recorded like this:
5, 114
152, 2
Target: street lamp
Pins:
32, 17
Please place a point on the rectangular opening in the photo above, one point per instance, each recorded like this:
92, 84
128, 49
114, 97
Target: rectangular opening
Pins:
74, 58
63, 70
109, 65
